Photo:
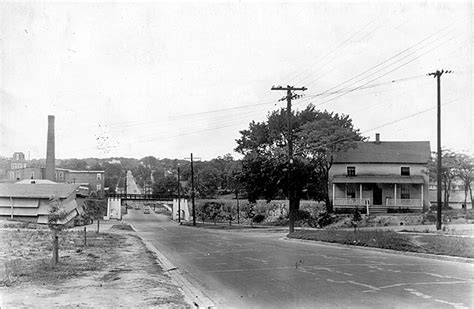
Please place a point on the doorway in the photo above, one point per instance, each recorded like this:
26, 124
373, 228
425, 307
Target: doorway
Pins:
377, 194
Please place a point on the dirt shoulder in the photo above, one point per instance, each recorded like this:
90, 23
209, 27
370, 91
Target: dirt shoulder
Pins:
114, 270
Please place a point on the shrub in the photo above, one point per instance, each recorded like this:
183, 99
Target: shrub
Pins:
429, 217
258, 218
303, 215
325, 219
356, 217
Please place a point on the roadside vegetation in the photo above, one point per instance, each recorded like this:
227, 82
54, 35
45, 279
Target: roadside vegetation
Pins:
433, 244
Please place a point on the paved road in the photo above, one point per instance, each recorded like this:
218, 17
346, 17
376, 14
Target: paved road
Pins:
132, 187
242, 269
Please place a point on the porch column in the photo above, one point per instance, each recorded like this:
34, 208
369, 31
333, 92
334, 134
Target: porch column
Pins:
395, 195
333, 193
360, 196
421, 195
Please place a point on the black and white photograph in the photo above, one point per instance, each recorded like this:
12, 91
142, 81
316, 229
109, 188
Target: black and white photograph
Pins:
236, 154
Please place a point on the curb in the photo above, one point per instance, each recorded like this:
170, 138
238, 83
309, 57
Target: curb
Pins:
191, 294
389, 251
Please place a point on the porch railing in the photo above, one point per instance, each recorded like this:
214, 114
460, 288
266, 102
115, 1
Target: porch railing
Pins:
413, 203
351, 201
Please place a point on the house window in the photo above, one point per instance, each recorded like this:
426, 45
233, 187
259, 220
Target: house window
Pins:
99, 176
351, 191
61, 176
405, 171
98, 187
405, 192
351, 171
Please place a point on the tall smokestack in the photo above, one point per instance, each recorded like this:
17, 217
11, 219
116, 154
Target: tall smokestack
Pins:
50, 159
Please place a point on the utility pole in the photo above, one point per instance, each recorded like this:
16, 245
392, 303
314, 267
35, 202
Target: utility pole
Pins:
192, 189
290, 95
179, 197
438, 74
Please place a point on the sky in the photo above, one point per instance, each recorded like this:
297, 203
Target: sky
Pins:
129, 79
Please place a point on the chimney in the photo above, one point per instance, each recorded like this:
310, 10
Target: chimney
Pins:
50, 159
377, 138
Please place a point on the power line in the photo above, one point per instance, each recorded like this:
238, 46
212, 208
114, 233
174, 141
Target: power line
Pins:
361, 77
396, 68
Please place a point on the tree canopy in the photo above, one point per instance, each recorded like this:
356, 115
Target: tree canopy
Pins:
317, 136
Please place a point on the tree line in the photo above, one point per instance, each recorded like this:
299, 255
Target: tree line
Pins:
457, 173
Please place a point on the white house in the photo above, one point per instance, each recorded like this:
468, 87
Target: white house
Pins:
385, 176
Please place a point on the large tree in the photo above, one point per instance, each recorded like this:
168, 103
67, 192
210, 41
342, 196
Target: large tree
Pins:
317, 135
165, 186
113, 174
319, 140
74, 164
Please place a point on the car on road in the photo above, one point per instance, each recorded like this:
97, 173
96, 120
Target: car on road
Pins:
137, 206
146, 210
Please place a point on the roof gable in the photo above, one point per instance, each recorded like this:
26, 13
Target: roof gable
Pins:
386, 152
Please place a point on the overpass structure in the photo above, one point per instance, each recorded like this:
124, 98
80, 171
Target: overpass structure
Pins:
114, 203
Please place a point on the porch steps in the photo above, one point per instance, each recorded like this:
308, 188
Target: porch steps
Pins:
377, 210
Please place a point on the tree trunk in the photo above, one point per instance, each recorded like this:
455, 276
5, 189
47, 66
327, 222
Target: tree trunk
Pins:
472, 201
294, 213
55, 259
465, 200
329, 208
98, 226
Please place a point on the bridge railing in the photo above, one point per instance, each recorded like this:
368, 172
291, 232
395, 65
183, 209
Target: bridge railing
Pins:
155, 197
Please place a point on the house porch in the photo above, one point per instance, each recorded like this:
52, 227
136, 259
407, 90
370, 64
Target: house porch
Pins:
378, 194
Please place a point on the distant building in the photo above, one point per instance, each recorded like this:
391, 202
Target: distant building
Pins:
30, 202
94, 180
25, 173
386, 176
114, 161
17, 163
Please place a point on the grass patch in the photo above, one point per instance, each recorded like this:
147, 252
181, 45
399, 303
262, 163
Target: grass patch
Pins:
123, 227
433, 244
25, 255
448, 245
376, 238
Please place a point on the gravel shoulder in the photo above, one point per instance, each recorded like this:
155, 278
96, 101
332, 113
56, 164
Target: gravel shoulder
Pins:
115, 269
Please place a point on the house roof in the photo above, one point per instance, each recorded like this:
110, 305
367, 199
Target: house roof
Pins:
37, 190
386, 152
